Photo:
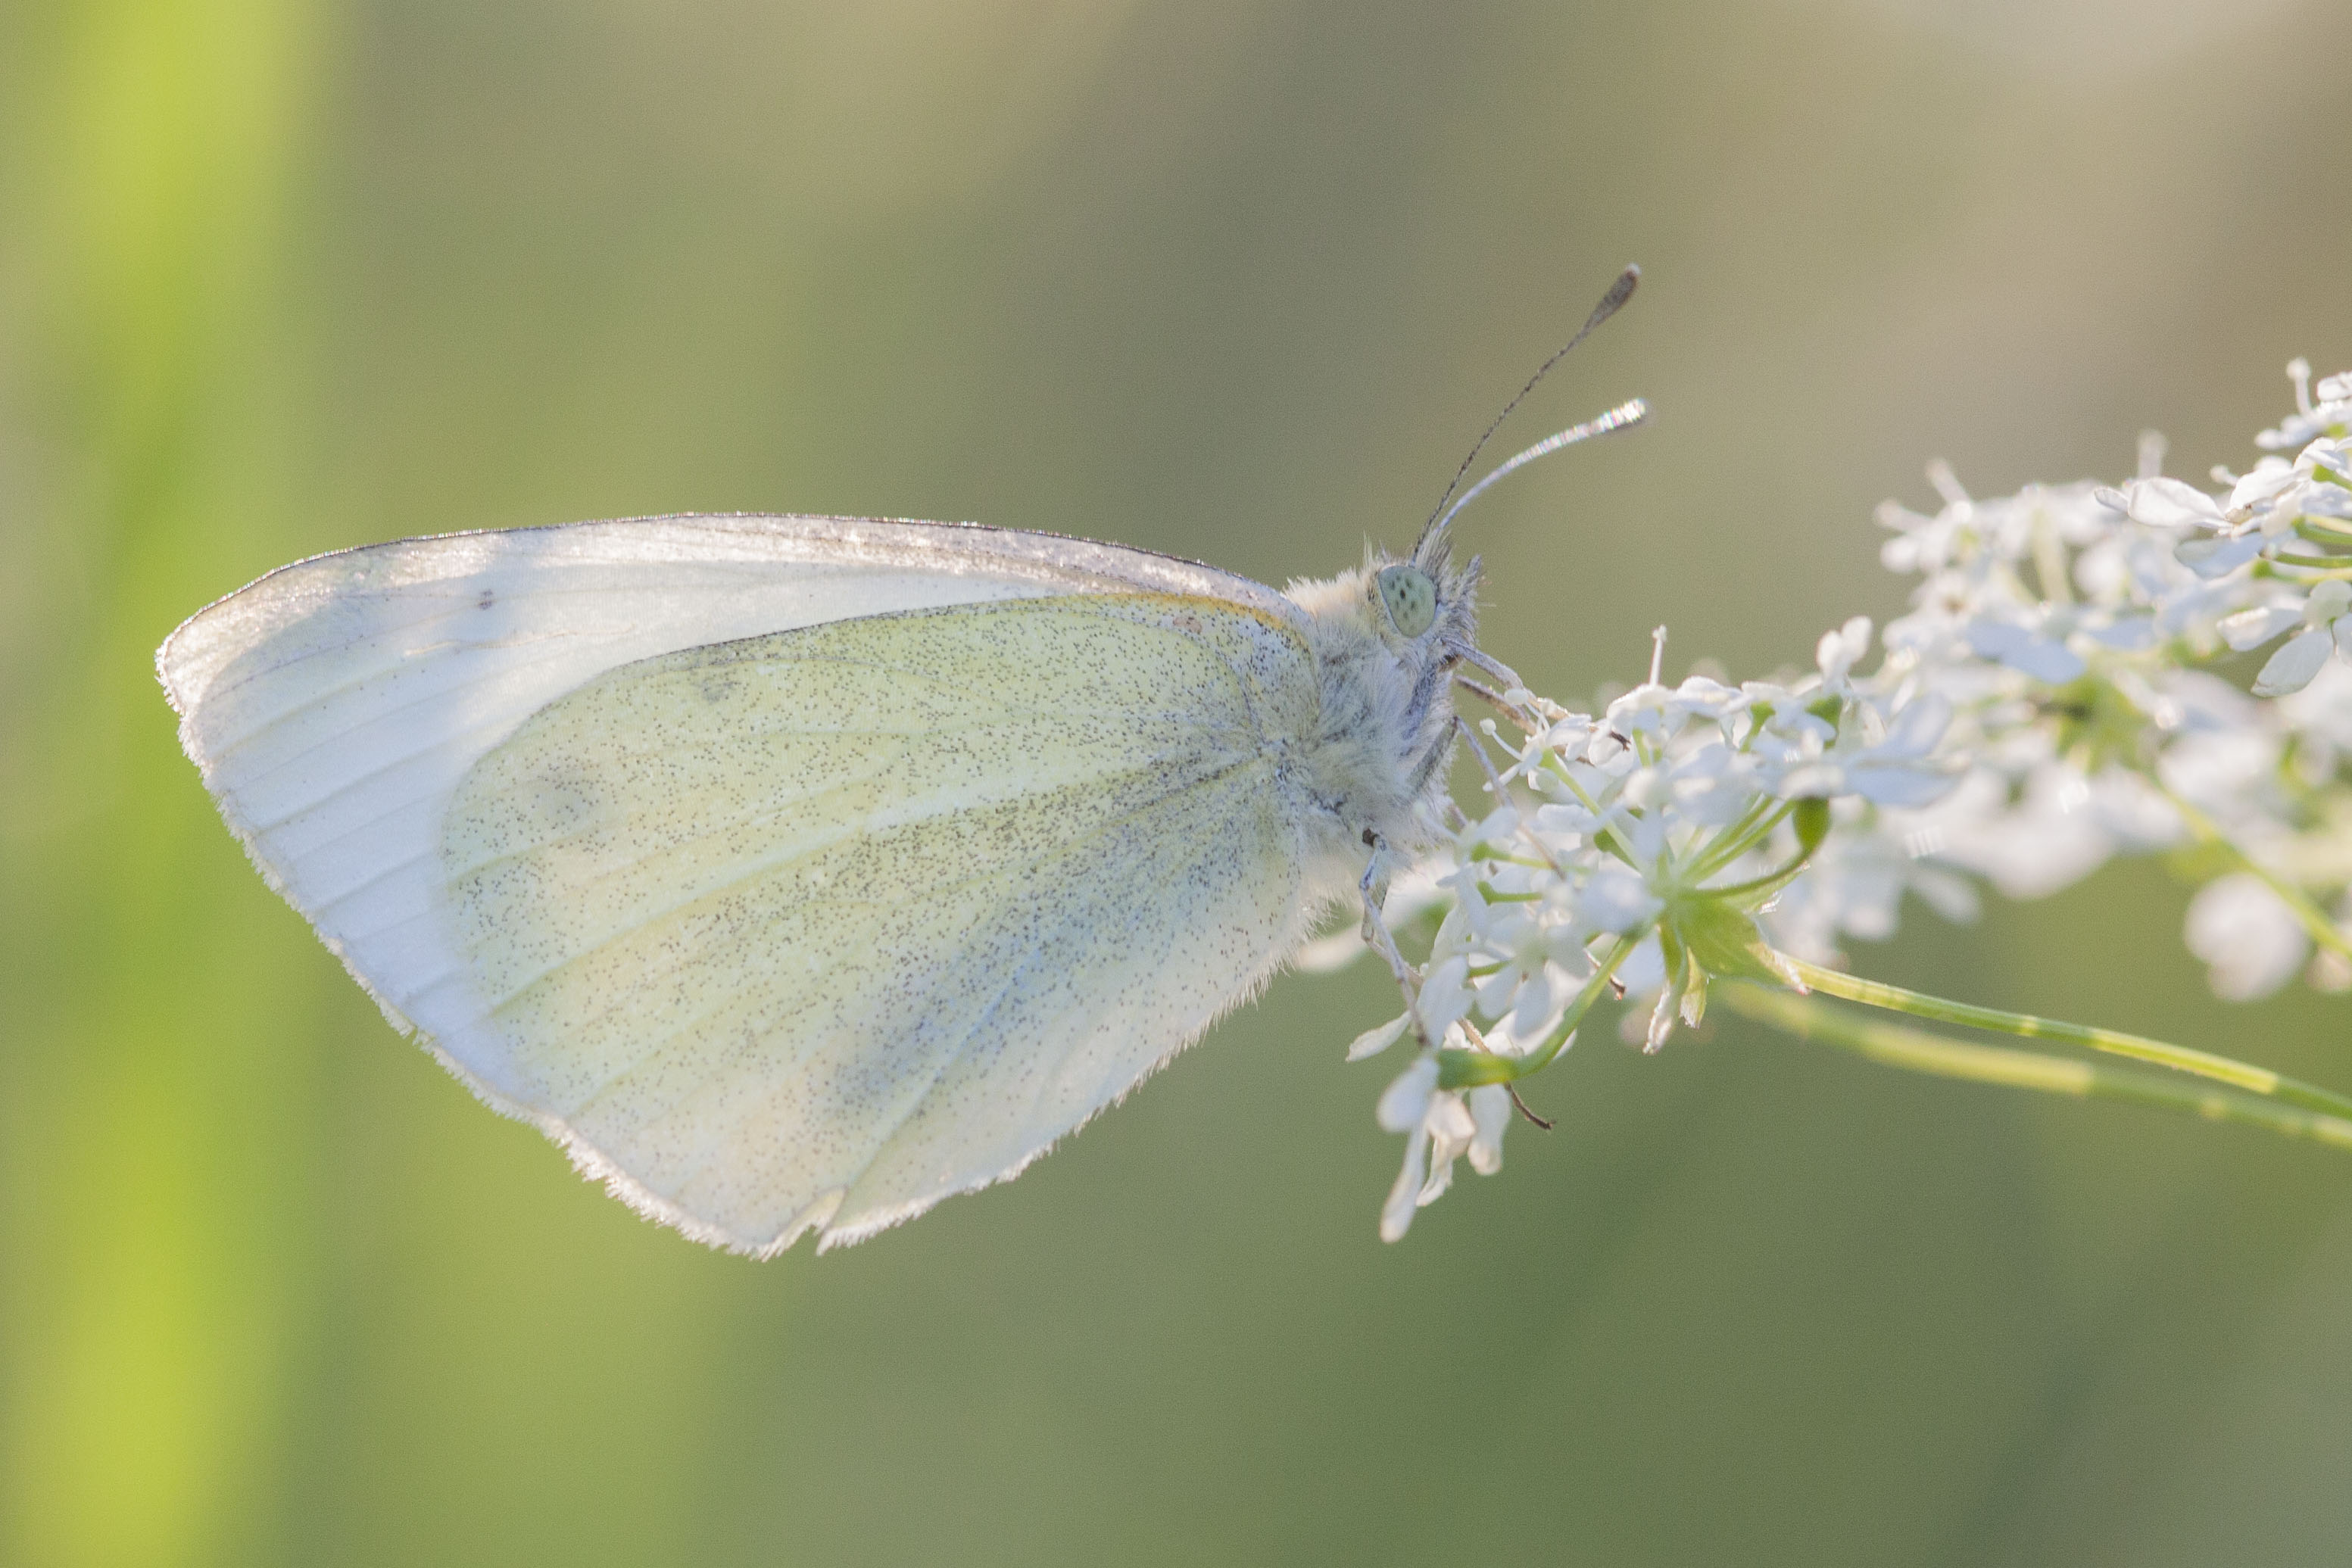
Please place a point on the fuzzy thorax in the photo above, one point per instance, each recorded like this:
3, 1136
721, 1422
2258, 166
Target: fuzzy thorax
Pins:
1386, 726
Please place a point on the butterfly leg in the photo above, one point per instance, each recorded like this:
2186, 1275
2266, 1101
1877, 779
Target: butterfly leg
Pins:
1374, 887
1496, 786
1464, 652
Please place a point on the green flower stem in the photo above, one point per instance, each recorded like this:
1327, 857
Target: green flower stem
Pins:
2322, 930
2322, 531
2179, 1058
1917, 1051
1558, 769
1756, 887
1468, 1068
1488, 851
2326, 565
1740, 838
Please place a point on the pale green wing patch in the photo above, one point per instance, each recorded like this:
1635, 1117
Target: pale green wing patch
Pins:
818, 927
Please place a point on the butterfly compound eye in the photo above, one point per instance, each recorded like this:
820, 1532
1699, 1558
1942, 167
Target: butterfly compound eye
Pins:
1410, 598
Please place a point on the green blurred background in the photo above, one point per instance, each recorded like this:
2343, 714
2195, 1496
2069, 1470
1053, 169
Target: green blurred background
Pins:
1237, 281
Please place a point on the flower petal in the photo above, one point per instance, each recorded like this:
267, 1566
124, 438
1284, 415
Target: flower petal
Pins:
2210, 557
1396, 1214
1490, 1109
2023, 651
1917, 727
2290, 668
1615, 900
2170, 504
1405, 1101
2253, 628
1451, 1126
2252, 941
1839, 651
1899, 783
1373, 1041
1445, 994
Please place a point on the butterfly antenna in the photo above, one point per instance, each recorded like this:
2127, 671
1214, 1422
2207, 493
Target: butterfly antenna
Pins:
1619, 292
1632, 412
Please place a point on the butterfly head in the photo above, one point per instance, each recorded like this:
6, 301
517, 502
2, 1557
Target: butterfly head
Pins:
1423, 606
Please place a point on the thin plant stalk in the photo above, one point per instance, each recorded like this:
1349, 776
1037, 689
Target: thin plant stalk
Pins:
1917, 1051
2179, 1058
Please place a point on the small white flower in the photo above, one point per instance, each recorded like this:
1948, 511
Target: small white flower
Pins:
1700, 697
1897, 769
2038, 710
2250, 940
2298, 659
1854, 883
1405, 1101
1616, 899
2327, 617
2251, 628
2026, 647
1405, 1108
1713, 784
1445, 994
1440, 1125
1838, 652
2168, 504
1642, 711
2331, 413
1568, 822
2218, 558
2062, 826
2320, 718
2268, 496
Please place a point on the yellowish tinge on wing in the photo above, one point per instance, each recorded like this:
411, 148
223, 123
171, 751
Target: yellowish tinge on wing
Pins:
821, 926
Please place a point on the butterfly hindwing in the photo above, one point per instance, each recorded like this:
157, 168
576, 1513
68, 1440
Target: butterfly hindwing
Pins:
821, 926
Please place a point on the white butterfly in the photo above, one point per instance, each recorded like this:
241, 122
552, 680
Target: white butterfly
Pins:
795, 873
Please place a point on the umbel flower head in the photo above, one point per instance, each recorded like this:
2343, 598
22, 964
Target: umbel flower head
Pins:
2059, 692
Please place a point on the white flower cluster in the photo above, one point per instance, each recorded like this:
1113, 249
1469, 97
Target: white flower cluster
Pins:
2072, 628
2040, 709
